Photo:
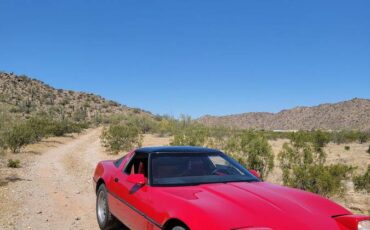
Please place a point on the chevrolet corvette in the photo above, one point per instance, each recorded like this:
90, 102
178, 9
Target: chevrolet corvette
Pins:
183, 188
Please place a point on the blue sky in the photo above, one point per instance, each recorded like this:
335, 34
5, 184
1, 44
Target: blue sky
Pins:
193, 57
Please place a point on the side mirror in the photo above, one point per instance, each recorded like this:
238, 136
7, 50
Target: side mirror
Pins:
255, 173
138, 179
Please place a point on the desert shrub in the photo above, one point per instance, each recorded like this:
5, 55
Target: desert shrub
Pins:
19, 136
347, 136
320, 139
2, 142
252, 150
145, 124
80, 115
39, 127
300, 138
36, 128
60, 128
163, 127
14, 163
347, 148
45, 127
118, 138
14, 110
169, 126
136, 110
362, 182
303, 167
363, 137
195, 135
368, 150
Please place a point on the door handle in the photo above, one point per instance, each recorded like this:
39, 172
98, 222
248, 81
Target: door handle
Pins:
116, 179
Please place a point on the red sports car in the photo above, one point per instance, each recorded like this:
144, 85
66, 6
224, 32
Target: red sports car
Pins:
179, 188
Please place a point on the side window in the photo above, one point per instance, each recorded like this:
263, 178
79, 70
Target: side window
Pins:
138, 165
118, 162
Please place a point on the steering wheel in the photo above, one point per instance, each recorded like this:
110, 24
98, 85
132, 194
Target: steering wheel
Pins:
218, 172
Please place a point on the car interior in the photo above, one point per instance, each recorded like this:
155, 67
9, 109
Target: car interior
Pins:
138, 165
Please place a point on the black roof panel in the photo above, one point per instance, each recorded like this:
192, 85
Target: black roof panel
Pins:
176, 149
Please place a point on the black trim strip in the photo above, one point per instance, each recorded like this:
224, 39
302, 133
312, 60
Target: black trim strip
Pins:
136, 210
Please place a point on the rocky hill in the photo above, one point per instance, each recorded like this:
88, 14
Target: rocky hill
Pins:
352, 114
22, 96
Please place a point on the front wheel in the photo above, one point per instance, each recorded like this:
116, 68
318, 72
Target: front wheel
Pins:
178, 228
105, 218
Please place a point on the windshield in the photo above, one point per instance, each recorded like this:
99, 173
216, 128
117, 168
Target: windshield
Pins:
170, 169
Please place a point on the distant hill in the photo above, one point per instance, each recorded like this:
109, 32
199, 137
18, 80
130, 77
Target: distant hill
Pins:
24, 97
352, 114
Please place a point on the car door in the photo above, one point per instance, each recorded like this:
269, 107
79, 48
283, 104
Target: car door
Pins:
131, 201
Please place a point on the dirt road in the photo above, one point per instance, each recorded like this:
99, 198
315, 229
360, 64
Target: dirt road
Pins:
54, 188
56, 192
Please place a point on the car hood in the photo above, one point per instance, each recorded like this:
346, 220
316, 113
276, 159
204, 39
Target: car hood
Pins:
260, 204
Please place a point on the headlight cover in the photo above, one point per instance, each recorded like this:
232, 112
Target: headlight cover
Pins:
364, 225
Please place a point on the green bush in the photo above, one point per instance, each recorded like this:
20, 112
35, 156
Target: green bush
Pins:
363, 137
60, 128
14, 163
36, 128
252, 150
196, 135
320, 139
347, 136
19, 136
347, 148
118, 138
362, 182
368, 150
303, 167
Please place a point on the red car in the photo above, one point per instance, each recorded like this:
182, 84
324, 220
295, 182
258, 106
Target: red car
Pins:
180, 188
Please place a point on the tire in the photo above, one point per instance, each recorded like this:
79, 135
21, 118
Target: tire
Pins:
105, 218
178, 228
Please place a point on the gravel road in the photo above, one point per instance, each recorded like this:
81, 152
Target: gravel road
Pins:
55, 191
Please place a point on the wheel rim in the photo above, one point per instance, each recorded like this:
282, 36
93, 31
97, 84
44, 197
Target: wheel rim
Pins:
102, 207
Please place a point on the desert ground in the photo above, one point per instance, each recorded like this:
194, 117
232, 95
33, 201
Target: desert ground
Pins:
53, 188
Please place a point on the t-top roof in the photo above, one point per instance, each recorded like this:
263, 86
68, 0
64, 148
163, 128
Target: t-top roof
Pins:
176, 149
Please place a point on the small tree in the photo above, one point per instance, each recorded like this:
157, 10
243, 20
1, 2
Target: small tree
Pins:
121, 137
